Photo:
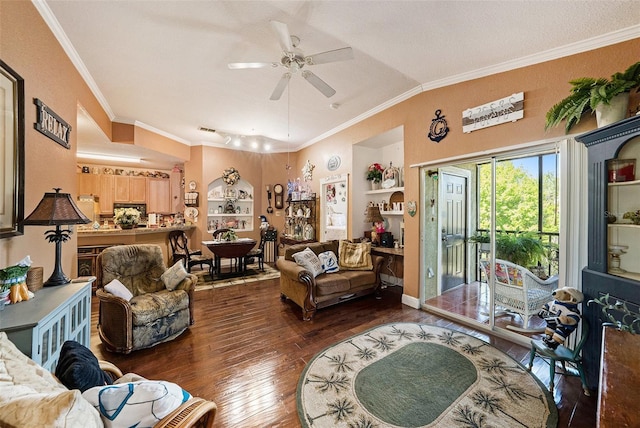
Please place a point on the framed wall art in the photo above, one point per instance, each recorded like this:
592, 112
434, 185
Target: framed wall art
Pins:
11, 152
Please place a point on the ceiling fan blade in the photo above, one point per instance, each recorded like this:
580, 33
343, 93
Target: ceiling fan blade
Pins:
280, 87
341, 54
319, 84
244, 65
284, 38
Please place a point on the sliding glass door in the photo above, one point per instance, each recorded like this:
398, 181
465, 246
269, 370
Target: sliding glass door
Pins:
511, 239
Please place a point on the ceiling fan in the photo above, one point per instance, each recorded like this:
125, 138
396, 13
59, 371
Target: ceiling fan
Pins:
294, 61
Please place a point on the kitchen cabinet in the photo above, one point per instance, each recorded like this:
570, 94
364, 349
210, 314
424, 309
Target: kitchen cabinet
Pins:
121, 188
154, 191
88, 184
130, 189
600, 276
137, 189
106, 194
177, 192
159, 195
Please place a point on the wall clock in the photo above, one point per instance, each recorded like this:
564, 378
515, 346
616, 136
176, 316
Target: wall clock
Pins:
279, 201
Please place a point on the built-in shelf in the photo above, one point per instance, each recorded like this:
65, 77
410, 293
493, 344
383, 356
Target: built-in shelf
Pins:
624, 183
631, 275
389, 190
224, 200
630, 225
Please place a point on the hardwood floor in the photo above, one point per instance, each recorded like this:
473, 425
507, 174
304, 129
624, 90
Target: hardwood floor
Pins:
247, 350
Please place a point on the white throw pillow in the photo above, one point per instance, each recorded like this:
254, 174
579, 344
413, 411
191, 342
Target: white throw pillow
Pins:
329, 261
141, 404
308, 260
118, 289
174, 275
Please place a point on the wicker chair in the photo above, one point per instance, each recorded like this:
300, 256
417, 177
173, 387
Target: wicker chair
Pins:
520, 291
154, 314
195, 412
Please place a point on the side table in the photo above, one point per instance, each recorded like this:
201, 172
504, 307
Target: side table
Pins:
39, 326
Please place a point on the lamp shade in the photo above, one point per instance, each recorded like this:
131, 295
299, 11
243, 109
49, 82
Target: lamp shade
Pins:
373, 215
56, 209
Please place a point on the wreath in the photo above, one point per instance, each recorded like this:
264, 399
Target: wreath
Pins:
230, 176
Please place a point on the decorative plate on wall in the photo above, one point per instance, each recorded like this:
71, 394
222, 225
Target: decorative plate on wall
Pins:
334, 163
191, 212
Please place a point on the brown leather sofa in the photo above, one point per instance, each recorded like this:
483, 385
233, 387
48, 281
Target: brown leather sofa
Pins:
299, 285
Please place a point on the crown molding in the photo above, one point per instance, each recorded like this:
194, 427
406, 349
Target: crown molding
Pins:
387, 104
586, 45
592, 43
54, 25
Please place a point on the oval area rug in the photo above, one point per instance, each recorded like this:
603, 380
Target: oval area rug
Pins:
418, 375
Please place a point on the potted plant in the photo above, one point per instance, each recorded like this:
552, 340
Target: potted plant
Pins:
617, 314
590, 94
524, 249
230, 235
374, 175
482, 239
126, 218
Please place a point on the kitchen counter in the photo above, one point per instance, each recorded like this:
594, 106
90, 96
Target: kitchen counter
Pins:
125, 232
140, 235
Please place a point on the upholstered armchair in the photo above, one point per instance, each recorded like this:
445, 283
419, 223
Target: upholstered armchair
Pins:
147, 304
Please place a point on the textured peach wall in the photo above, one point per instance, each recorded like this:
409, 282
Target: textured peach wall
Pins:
27, 45
543, 85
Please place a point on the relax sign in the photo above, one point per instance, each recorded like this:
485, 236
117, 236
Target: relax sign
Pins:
52, 125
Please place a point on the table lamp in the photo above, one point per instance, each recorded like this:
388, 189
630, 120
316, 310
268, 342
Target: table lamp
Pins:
374, 217
56, 209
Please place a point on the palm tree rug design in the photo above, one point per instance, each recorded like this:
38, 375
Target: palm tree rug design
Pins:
252, 274
418, 375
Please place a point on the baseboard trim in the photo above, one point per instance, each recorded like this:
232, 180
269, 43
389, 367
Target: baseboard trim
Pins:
410, 301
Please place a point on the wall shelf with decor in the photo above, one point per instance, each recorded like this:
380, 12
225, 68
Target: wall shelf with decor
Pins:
383, 152
230, 206
379, 191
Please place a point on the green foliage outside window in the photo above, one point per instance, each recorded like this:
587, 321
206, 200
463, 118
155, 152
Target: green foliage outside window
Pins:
517, 199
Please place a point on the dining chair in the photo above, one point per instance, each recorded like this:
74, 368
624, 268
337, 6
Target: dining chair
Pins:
181, 251
267, 235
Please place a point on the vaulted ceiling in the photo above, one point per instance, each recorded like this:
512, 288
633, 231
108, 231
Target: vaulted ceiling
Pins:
163, 64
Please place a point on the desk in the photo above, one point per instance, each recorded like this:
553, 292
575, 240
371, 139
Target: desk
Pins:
393, 266
230, 250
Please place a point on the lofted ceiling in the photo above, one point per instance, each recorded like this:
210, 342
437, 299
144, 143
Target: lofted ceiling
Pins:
163, 64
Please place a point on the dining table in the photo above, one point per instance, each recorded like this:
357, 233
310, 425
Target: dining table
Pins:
234, 250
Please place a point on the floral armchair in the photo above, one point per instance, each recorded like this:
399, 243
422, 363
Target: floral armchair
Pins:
152, 305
